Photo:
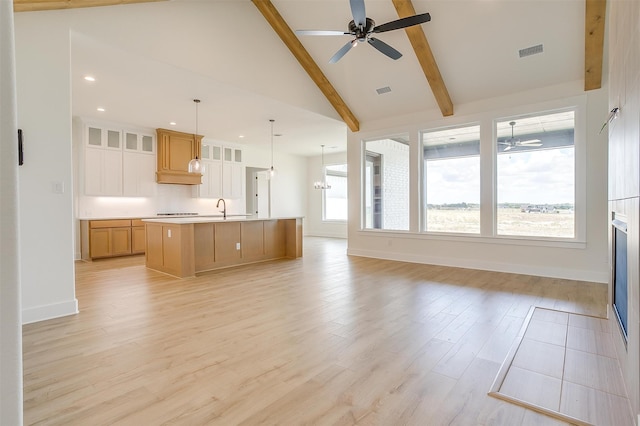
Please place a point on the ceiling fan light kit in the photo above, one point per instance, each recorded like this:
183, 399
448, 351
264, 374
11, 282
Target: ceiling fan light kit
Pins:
513, 142
361, 28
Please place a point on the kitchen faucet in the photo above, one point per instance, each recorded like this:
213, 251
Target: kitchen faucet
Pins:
224, 207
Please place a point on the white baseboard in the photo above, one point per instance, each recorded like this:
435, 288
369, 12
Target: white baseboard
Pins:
551, 272
41, 313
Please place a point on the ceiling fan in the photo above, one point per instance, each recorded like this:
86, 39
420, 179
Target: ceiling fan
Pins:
512, 142
362, 28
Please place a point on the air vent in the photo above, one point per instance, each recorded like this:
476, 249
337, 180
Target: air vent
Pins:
528, 51
383, 90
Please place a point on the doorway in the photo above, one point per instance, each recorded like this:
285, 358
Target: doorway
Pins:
258, 200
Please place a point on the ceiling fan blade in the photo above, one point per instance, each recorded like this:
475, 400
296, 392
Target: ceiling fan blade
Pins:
358, 12
343, 51
384, 48
531, 142
409, 21
321, 32
507, 148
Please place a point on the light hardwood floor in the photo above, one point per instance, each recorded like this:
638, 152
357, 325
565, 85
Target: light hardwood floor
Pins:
323, 339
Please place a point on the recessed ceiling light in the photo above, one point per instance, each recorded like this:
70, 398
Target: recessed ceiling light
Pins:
100, 109
241, 136
173, 123
89, 78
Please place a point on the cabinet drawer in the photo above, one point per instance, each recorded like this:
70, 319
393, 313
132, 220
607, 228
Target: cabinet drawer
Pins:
116, 223
137, 222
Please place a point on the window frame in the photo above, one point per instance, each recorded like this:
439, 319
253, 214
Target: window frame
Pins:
423, 222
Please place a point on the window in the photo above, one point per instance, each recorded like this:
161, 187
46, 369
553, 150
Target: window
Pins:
335, 198
451, 180
536, 176
386, 184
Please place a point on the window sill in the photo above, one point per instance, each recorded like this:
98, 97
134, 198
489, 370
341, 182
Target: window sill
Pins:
478, 239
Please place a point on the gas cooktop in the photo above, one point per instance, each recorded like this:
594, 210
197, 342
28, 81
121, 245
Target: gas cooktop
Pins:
177, 214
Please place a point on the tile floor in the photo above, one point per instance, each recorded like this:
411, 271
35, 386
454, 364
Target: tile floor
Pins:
566, 366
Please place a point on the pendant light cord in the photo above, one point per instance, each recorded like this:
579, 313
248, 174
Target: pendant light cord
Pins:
272, 120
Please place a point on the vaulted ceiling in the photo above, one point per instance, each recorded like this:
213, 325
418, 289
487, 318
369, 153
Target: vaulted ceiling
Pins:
242, 58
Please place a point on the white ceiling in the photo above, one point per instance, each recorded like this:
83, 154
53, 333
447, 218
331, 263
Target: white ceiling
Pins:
151, 60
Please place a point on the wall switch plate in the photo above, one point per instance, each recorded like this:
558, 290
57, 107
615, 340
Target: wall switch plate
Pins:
57, 187
237, 246
168, 233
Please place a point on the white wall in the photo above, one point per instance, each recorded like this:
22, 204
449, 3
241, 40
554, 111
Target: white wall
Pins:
11, 400
46, 214
288, 186
315, 226
583, 260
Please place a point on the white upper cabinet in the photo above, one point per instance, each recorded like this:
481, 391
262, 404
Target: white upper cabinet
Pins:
223, 171
118, 162
139, 142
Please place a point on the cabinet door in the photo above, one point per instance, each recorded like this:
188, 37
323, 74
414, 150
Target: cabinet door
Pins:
137, 239
232, 178
138, 174
102, 172
99, 245
112, 172
120, 241
93, 171
211, 186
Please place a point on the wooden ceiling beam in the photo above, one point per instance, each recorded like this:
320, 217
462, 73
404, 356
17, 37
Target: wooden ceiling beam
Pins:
425, 56
283, 30
37, 5
594, 21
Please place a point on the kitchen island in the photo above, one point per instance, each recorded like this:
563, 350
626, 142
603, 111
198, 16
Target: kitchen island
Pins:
187, 245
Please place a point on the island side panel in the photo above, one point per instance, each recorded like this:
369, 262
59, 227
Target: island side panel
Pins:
293, 231
203, 237
227, 240
274, 239
153, 245
252, 241
170, 249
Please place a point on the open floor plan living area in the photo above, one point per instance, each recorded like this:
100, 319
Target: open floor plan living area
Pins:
323, 339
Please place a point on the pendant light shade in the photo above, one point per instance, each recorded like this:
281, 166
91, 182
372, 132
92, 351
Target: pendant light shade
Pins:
323, 183
195, 165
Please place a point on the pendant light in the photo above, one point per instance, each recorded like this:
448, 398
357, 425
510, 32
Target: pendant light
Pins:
195, 165
272, 171
323, 183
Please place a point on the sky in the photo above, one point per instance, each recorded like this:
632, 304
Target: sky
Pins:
544, 176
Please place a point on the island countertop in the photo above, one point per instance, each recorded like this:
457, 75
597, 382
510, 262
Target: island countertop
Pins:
184, 246
213, 218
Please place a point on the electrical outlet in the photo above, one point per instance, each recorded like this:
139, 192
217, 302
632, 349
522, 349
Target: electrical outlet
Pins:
168, 233
237, 246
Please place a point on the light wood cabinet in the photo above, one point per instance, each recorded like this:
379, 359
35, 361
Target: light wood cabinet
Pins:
111, 237
188, 248
137, 236
175, 150
165, 252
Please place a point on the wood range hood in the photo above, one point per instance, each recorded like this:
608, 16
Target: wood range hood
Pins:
175, 150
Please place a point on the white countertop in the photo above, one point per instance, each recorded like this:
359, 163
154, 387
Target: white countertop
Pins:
216, 218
